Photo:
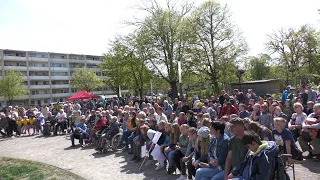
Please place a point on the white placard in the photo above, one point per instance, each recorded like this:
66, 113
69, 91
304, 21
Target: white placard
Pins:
143, 151
156, 137
157, 154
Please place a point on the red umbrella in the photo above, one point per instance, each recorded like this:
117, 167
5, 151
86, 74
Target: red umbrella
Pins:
82, 95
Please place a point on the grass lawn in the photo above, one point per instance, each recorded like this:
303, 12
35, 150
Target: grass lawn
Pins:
16, 169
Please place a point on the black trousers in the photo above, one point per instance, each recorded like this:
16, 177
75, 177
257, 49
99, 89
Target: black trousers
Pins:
12, 126
62, 125
177, 159
191, 169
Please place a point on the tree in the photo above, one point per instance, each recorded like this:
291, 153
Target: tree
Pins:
166, 35
259, 68
125, 63
218, 41
85, 79
12, 85
296, 48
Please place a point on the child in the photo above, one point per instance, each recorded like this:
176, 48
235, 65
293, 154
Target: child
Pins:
297, 119
32, 121
181, 150
39, 122
243, 112
169, 151
284, 139
26, 124
20, 124
200, 156
259, 162
265, 118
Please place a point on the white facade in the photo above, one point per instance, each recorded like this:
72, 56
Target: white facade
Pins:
47, 75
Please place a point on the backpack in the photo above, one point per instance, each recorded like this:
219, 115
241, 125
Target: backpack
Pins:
279, 172
313, 132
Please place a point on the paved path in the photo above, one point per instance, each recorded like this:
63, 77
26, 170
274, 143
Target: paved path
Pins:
90, 165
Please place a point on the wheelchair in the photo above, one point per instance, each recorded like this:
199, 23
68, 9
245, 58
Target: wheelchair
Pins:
112, 142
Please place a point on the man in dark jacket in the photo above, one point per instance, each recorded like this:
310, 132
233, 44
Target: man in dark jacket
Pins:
259, 161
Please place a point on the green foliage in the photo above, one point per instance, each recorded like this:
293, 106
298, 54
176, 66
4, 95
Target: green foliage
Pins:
12, 85
218, 42
297, 48
259, 67
85, 79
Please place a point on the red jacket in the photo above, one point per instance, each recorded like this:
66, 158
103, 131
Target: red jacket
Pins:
228, 111
100, 124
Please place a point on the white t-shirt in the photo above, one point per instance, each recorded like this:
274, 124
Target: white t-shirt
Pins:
61, 117
161, 117
298, 119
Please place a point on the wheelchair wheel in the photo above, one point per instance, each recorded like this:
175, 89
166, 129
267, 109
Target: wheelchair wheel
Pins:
115, 142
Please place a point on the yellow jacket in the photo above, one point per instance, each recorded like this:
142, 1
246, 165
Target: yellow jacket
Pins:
32, 121
25, 122
20, 123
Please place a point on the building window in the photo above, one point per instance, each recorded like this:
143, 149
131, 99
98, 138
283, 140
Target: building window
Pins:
44, 82
46, 101
39, 102
32, 102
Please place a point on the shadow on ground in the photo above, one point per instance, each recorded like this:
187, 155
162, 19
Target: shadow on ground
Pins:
130, 167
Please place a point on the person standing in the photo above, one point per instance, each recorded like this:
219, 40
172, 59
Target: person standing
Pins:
312, 94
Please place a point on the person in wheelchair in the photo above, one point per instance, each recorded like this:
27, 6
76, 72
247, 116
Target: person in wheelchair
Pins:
100, 124
80, 132
112, 130
260, 160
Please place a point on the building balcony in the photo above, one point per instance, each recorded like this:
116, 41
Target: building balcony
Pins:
93, 62
61, 95
39, 86
39, 78
59, 77
37, 59
16, 68
14, 58
60, 86
97, 92
36, 68
59, 68
40, 96
95, 69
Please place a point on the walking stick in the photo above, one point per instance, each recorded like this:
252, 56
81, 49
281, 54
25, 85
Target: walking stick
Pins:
145, 157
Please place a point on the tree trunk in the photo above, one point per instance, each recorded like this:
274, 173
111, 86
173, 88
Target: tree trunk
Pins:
140, 93
174, 89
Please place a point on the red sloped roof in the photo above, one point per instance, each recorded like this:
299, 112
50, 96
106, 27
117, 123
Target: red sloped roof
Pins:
82, 95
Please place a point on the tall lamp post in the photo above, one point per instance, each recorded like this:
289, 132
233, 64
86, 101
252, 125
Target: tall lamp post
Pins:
180, 79
240, 72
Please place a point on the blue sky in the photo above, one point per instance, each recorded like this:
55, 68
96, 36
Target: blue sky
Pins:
85, 27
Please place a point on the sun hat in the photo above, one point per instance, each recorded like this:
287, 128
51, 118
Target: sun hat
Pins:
203, 132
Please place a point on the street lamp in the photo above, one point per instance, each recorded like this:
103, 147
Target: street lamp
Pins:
240, 72
180, 79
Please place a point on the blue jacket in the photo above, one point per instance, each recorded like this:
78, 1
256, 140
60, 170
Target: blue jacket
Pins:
258, 165
221, 153
285, 96
83, 127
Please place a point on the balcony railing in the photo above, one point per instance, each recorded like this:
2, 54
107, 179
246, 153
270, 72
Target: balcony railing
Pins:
60, 86
14, 58
16, 68
39, 86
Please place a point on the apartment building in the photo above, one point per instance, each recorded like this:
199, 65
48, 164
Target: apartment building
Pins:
47, 75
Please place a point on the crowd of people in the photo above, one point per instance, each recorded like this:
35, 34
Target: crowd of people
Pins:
237, 135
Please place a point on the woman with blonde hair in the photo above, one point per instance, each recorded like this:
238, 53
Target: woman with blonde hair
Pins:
169, 151
202, 147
